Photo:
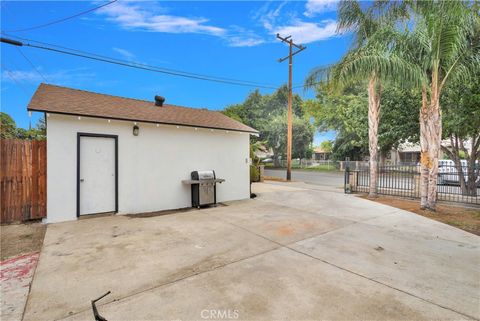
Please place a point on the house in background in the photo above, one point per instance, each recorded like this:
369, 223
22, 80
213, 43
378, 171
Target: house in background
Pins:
114, 154
321, 154
406, 153
409, 153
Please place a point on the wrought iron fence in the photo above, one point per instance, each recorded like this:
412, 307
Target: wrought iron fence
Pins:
454, 184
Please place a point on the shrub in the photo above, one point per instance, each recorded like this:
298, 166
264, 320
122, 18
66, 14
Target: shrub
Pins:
254, 174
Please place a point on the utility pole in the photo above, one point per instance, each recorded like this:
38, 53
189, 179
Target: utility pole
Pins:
291, 44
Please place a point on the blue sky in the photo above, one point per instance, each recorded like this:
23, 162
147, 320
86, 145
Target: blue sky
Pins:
219, 38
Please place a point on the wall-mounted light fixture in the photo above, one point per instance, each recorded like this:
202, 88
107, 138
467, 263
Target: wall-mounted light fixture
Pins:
136, 130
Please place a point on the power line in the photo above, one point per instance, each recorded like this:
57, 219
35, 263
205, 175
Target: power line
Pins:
63, 19
253, 83
306, 86
31, 64
97, 57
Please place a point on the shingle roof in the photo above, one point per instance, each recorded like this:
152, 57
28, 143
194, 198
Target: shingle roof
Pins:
69, 101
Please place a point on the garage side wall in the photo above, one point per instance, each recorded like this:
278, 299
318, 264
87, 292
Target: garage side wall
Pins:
151, 165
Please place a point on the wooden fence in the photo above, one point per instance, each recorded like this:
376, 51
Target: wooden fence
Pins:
23, 180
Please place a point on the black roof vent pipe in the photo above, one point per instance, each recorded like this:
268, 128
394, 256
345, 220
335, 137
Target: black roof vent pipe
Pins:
159, 100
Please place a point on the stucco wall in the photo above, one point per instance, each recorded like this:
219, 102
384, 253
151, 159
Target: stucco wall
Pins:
151, 165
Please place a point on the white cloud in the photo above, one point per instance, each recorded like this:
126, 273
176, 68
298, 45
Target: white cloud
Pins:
150, 17
289, 24
125, 53
240, 37
244, 42
60, 77
315, 7
267, 16
147, 17
21, 76
306, 32
133, 16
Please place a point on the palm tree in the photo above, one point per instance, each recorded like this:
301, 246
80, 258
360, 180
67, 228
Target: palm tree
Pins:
441, 45
371, 57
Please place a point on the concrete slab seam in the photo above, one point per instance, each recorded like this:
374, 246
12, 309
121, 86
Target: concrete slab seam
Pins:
395, 210
381, 283
287, 246
174, 281
31, 281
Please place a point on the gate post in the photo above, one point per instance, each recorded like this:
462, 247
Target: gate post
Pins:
346, 185
416, 182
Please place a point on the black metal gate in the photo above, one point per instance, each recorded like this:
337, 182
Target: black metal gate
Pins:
404, 181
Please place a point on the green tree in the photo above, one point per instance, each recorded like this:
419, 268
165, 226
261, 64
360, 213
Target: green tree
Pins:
346, 113
372, 58
8, 128
399, 118
275, 135
443, 43
461, 123
326, 146
266, 113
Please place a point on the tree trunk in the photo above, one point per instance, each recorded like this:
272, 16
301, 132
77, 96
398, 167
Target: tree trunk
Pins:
424, 159
373, 120
434, 137
276, 161
472, 173
454, 155
382, 159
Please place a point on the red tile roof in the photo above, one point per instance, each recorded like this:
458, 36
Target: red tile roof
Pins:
69, 101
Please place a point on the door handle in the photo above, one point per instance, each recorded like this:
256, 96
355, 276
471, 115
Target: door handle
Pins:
82, 180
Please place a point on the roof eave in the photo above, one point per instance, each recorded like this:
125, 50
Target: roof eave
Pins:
253, 132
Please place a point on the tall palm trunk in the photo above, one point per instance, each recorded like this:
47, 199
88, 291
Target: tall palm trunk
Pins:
373, 120
424, 158
434, 137
434, 129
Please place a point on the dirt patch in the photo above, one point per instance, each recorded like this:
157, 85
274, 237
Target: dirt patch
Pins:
18, 239
285, 230
465, 218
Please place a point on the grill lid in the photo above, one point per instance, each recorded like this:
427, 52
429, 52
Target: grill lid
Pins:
208, 174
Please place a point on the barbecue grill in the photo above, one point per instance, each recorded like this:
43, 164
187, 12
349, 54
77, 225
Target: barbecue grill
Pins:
204, 189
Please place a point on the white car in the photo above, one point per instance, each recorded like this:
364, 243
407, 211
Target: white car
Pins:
448, 173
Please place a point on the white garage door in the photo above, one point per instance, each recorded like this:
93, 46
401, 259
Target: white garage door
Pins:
97, 175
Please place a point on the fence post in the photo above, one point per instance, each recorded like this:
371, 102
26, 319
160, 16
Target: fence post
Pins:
346, 186
416, 188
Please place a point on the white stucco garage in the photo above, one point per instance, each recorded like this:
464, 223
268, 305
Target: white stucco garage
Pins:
96, 163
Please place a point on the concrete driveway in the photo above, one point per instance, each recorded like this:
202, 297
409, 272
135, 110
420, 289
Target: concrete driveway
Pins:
294, 252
